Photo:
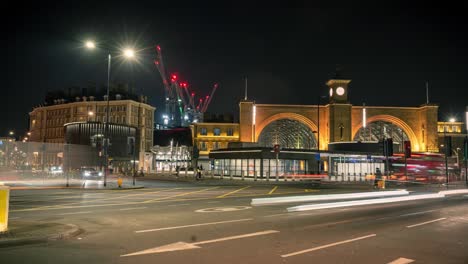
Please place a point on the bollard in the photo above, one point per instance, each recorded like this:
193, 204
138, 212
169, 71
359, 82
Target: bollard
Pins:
4, 203
222, 174
255, 175
242, 175
119, 182
230, 176
268, 176
277, 176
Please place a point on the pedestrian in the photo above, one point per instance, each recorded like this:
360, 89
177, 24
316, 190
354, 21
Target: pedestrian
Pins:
198, 173
378, 177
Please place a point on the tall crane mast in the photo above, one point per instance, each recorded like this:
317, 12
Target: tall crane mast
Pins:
180, 107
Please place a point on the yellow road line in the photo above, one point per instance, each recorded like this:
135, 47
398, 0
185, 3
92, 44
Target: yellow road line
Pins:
229, 193
181, 194
131, 203
273, 190
90, 199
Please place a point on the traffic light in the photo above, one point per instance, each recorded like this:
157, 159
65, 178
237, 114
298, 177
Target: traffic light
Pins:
131, 145
448, 146
407, 145
276, 148
388, 147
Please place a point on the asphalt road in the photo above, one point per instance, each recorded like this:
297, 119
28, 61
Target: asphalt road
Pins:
192, 223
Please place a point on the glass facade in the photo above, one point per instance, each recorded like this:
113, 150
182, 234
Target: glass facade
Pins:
261, 168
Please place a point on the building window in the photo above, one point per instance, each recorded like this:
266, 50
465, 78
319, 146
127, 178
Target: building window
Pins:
203, 131
217, 131
216, 145
203, 146
230, 132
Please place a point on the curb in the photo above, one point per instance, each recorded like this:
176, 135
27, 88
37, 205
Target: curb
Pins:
72, 232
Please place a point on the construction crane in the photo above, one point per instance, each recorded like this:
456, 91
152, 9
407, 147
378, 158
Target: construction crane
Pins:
180, 107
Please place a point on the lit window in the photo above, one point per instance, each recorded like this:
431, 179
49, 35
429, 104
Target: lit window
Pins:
203, 131
216, 131
203, 146
230, 132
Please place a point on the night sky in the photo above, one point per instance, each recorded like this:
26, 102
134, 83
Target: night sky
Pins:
287, 53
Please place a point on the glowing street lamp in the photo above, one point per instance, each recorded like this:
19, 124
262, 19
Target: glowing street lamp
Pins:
451, 120
90, 44
128, 53
11, 133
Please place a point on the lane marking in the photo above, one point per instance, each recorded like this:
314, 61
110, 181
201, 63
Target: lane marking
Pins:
87, 212
132, 208
428, 222
104, 199
222, 209
46, 208
273, 190
177, 204
185, 226
12, 218
401, 261
180, 194
184, 246
327, 246
229, 193
418, 213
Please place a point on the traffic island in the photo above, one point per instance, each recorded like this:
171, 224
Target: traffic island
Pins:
24, 233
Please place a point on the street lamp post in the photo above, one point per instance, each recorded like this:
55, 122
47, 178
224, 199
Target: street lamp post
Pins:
106, 127
318, 133
128, 53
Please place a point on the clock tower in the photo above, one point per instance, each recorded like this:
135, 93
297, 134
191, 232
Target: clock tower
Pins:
339, 118
338, 89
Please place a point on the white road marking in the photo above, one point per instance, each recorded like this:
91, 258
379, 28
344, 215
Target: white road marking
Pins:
76, 213
417, 213
222, 209
184, 226
178, 204
327, 246
401, 261
428, 222
184, 246
12, 218
273, 215
132, 208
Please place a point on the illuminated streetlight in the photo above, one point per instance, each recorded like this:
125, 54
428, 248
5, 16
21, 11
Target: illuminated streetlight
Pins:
129, 53
29, 133
90, 44
11, 133
451, 120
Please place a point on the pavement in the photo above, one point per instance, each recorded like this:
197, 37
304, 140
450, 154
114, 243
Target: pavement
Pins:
32, 232
184, 222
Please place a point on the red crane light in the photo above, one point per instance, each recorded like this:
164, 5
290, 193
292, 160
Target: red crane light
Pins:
207, 96
156, 62
158, 47
193, 94
174, 76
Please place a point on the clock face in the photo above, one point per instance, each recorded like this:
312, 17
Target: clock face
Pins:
331, 92
340, 91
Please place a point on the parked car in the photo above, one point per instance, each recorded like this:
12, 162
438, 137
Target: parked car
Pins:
90, 174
